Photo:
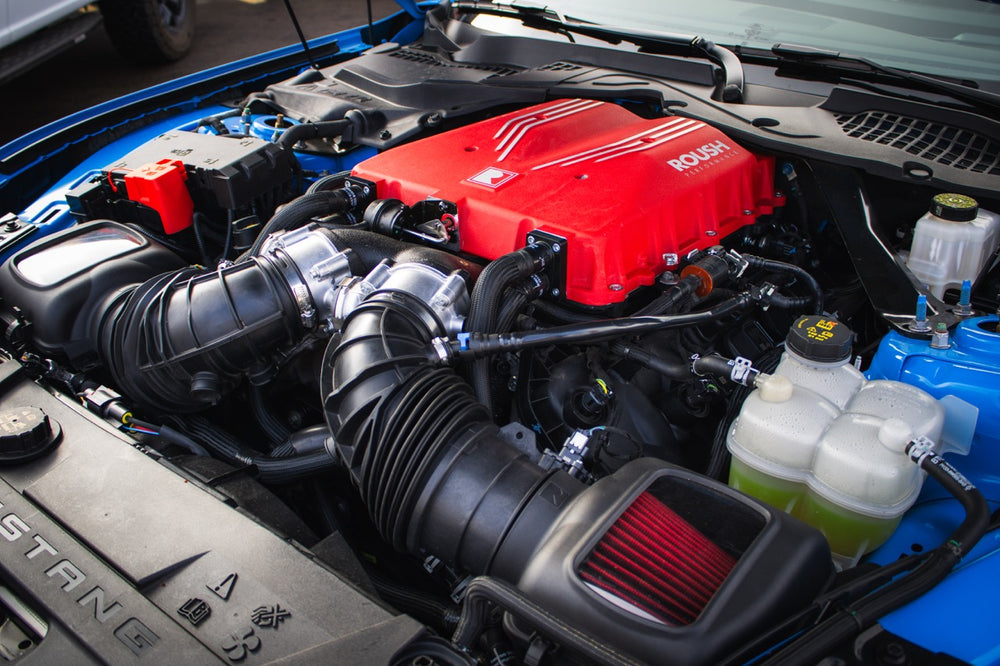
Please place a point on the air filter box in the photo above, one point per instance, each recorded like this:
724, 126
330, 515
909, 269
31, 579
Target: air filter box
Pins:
657, 560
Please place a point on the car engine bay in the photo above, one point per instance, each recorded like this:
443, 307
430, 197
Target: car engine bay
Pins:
566, 362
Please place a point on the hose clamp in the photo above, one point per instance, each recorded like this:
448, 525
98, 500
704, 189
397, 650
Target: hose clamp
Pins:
742, 371
442, 349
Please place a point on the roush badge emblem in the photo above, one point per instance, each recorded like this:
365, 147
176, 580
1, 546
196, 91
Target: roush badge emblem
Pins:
492, 177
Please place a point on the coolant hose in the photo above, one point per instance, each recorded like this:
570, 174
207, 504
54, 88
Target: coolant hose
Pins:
485, 306
817, 642
800, 273
428, 461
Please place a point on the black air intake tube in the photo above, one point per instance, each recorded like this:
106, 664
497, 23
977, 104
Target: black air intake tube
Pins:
181, 340
430, 464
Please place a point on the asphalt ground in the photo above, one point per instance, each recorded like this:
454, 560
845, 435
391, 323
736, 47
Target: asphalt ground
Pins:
93, 71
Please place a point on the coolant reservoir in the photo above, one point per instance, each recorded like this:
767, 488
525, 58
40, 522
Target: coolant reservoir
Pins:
818, 441
952, 242
817, 351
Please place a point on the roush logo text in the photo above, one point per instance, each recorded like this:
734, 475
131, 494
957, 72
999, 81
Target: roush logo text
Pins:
696, 157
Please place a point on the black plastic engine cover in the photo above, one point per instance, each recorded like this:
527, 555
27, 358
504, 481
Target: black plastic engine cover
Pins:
122, 560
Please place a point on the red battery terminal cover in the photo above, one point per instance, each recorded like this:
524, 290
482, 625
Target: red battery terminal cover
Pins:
160, 185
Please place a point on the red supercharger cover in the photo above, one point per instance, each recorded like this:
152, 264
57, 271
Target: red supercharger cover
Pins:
631, 196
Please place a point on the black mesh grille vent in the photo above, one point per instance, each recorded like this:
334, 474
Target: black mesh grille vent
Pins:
931, 141
429, 59
559, 67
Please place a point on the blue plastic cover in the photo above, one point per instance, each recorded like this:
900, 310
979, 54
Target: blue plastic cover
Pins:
962, 609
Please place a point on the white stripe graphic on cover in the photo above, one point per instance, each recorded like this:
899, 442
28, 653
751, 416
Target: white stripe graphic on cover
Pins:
644, 140
518, 127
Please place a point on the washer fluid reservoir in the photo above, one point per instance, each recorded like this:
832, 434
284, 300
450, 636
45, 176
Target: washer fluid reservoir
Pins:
817, 440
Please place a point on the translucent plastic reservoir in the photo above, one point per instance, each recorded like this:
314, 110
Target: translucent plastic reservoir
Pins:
823, 444
946, 252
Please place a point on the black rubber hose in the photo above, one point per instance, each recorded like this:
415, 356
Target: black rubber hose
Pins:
215, 122
790, 302
478, 345
273, 429
269, 469
558, 314
308, 440
514, 303
427, 459
719, 459
801, 273
517, 297
324, 182
368, 249
439, 615
671, 300
846, 593
305, 131
485, 304
484, 592
816, 643
300, 210
730, 85
668, 368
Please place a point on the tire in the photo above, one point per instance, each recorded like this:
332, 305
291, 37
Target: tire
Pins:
152, 31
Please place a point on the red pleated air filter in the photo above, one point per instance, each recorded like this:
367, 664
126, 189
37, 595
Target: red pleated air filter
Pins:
655, 561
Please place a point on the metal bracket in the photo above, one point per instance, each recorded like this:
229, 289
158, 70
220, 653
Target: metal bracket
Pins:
556, 270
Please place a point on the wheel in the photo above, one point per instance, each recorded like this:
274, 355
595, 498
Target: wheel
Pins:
152, 31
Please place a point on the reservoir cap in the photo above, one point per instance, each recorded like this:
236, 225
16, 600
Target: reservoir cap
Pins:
954, 207
819, 338
26, 433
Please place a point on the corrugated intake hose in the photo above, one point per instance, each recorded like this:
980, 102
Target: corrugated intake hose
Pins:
428, 461
179, 341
